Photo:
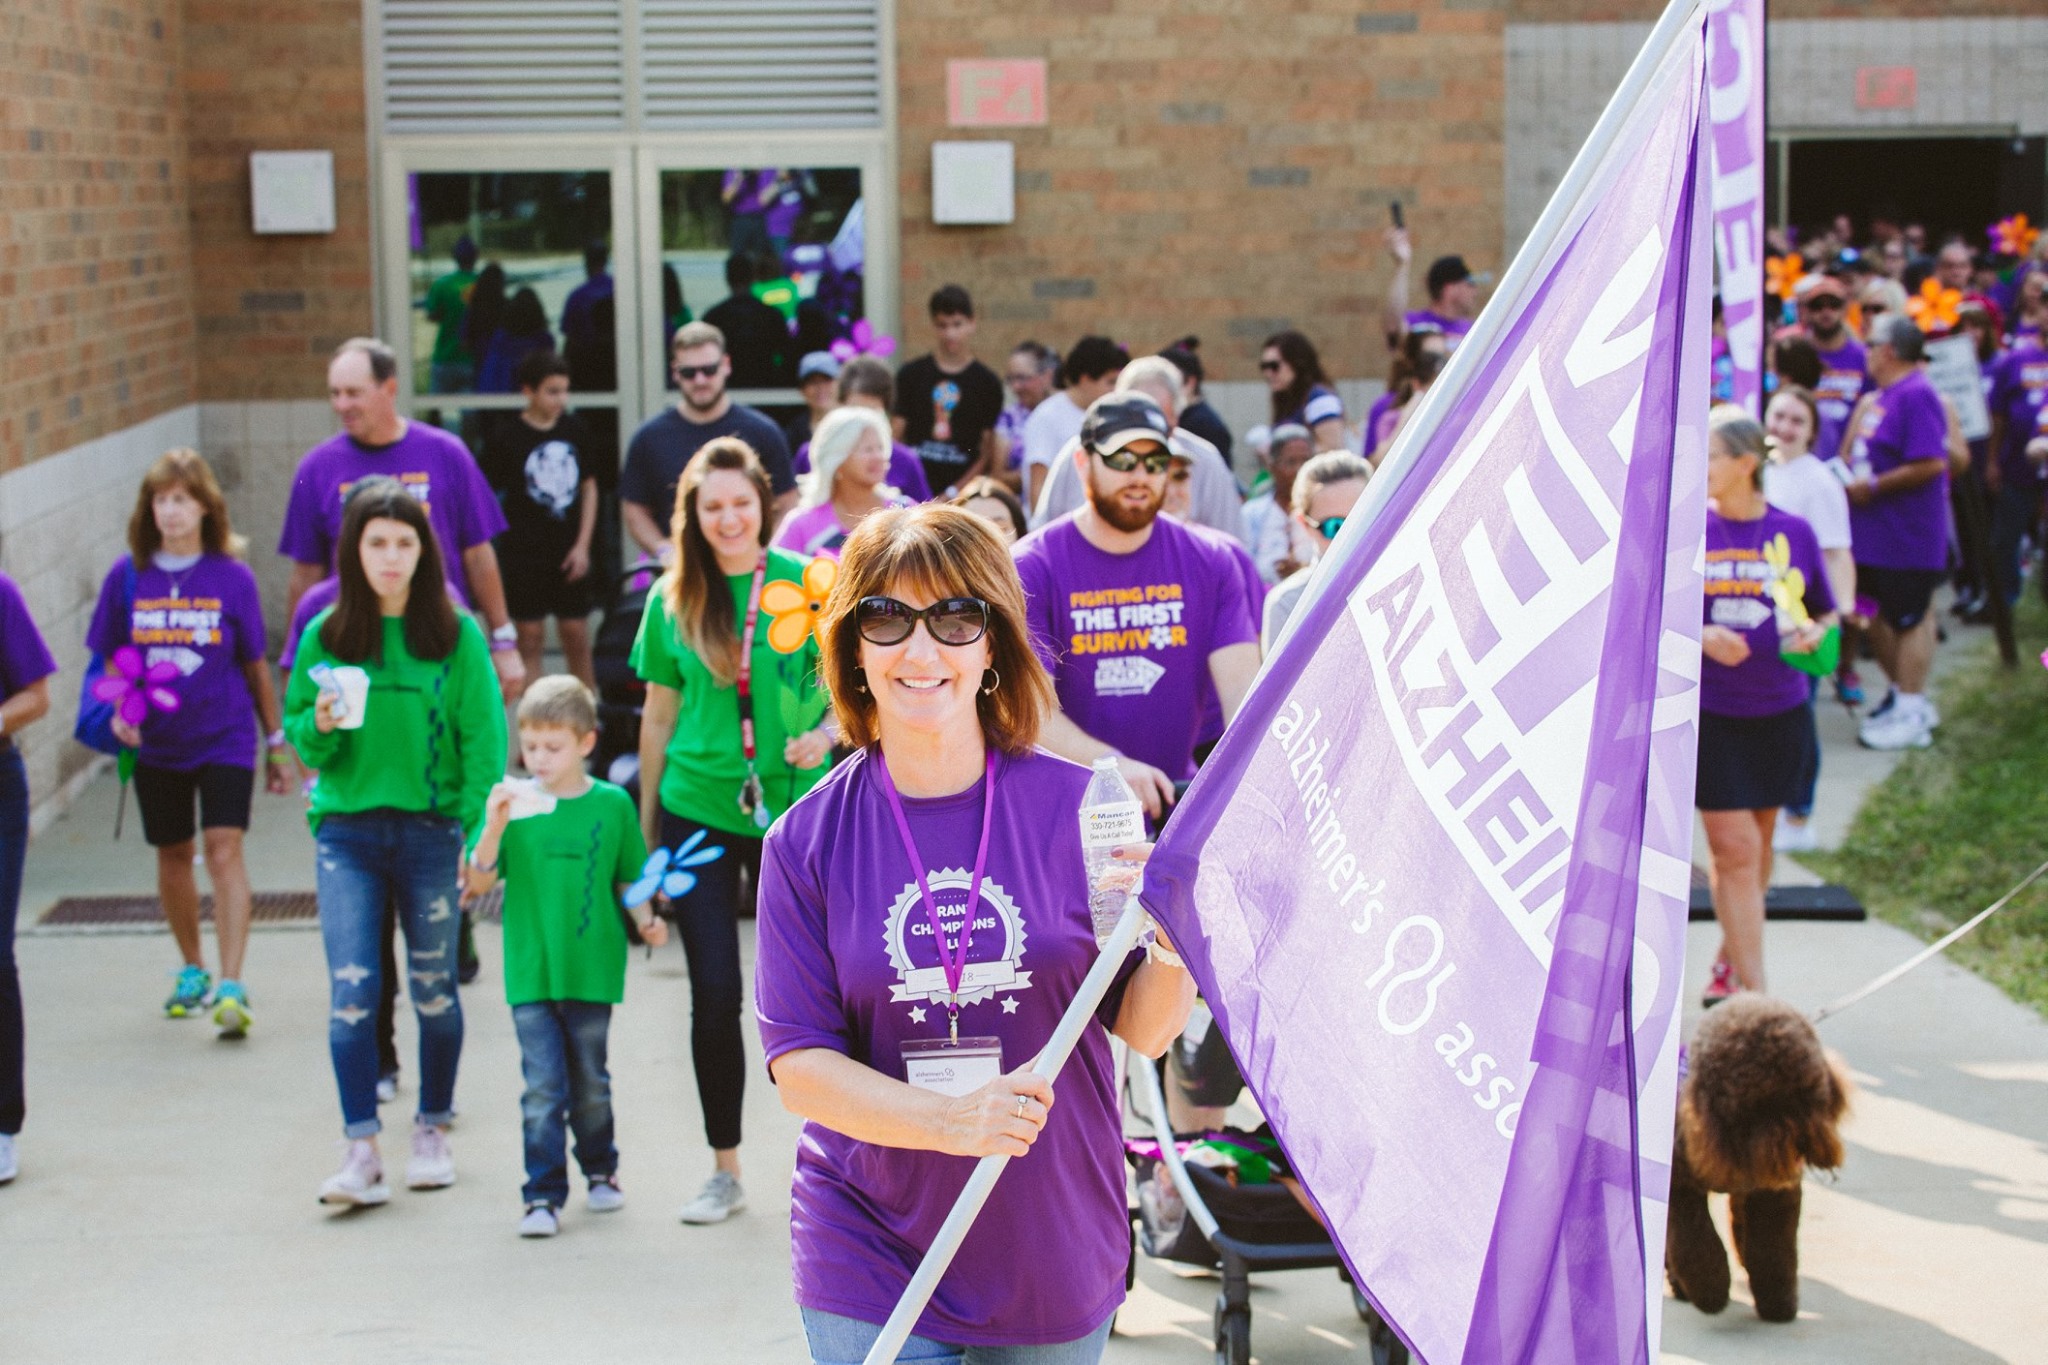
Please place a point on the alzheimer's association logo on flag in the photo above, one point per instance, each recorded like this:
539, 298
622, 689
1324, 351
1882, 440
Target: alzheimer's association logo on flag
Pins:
1434, 881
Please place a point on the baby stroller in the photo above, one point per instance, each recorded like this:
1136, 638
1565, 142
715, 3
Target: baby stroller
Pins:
1195, 1216
620, 692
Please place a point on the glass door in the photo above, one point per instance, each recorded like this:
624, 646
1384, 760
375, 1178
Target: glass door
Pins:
774, 242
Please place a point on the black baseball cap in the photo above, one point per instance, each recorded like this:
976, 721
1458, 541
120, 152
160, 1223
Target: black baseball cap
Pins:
1116, 420
1445, 271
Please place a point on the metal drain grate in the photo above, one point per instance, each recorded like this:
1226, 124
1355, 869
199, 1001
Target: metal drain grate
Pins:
267, 907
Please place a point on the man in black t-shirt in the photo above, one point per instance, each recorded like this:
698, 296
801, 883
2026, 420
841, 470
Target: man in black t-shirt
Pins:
536, 462
665, 443
947, 402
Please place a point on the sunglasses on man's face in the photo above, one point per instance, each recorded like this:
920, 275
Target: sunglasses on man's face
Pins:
1330, 526
695, 371
1156, 460
950, 621
1014, 379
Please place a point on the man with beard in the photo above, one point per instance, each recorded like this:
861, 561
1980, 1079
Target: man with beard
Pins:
1823, 306
1129, 610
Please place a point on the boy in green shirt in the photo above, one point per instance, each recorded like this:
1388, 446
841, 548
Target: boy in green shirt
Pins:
565, 845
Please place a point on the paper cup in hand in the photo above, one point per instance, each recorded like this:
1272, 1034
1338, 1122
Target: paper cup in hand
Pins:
353, 685
529, 800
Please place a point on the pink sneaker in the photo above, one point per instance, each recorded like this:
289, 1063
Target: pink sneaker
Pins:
360, 1181
432, 1166
1719, 986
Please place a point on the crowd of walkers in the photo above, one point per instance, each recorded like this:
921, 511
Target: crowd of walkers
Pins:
886, 642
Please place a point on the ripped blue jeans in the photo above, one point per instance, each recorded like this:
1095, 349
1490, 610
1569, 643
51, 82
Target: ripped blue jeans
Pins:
414, 858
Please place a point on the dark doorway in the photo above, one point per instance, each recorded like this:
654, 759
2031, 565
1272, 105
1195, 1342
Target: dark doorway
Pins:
1949, 184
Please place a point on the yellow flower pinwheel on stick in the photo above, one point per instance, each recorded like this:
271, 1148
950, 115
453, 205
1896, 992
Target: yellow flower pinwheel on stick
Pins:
793, 609
1788, 585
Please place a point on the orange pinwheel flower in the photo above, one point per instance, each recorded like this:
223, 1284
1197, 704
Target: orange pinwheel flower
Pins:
793, 609
1936, 308
1782, 275
2014, 236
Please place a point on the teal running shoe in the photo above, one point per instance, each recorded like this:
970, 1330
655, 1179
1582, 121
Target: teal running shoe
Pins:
231, 1015
194, 985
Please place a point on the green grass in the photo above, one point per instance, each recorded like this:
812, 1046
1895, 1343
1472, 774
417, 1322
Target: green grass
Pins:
1956, 826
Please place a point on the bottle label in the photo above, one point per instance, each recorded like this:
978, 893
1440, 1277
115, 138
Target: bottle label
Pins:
1109, 826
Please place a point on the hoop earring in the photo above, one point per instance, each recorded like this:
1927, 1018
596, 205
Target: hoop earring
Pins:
990, 681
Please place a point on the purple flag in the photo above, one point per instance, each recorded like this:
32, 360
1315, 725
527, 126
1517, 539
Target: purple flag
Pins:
1735, 89
1433, 883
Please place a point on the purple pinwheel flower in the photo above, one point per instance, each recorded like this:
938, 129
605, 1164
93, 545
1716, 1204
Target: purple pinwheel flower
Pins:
136, 689
866, 341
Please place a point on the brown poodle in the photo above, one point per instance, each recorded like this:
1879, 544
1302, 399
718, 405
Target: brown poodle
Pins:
1762, 1101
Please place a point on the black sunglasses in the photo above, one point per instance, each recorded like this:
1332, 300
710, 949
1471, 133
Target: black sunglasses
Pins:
1123, 461
1270, 366
1330, 526
695, 371
951, 621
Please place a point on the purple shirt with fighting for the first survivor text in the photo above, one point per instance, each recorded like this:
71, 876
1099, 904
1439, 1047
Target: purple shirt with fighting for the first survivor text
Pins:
435, 468
847, 963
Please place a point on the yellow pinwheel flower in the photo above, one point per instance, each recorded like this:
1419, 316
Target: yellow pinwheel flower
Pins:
793, 609
2014, 236
1936, 308
1782, 274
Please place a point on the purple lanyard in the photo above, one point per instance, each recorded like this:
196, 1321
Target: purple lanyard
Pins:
953, 964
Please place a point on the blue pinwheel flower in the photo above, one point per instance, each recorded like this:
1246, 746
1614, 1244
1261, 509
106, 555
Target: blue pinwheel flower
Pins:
669, 873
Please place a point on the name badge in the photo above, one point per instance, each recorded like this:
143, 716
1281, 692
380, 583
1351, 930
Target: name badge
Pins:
950, 1068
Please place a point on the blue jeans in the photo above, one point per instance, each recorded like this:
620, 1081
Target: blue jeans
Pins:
562, 1052
1802, 809
836, 1340
13, 851
412, 860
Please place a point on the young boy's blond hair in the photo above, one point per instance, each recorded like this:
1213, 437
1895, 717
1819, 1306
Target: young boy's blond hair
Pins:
559, 700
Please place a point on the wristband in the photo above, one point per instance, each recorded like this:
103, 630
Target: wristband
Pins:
504, 637
490, 869
275, 739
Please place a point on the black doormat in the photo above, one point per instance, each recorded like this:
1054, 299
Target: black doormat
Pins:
266, 907
1825, 902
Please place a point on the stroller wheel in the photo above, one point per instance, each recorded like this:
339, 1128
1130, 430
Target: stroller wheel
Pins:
1233, 1336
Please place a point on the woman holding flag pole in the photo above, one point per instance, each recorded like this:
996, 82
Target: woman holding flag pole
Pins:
910, 1050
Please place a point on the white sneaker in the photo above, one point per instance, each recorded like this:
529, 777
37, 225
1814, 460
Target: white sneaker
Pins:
1928, 710
540, 1221
387, 1088
605, 1195
1794, 837
432, 1164
360, 1181
1900, 727
10, 1163
719, 1200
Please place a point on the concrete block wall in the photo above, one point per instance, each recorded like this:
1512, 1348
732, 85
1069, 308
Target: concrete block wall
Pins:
95, 265
1210, 166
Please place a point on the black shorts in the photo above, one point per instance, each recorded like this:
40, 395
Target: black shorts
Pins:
223, 791
1902, 595
535, 587
1754, 762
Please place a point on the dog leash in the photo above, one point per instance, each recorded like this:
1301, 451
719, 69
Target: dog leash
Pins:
1931, 950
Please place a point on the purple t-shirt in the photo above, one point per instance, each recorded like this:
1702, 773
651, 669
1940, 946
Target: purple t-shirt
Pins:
208, 620
434, 466
24, 658
1378, 419
2019, 386
1045, 1261
1842, 381
1744, 558
1908, 530
317, 599
814, 531
1429, 320
1127, 638
1211, 728
906, 471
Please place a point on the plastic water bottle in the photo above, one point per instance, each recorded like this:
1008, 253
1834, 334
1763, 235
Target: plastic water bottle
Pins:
1110, 818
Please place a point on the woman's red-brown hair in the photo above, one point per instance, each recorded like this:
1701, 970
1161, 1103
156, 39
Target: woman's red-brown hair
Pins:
187, 469
943, 552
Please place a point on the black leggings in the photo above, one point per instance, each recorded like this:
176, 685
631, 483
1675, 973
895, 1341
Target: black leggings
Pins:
707, 921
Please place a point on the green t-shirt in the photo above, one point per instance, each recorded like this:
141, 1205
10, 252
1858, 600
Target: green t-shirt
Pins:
563, 936
706, 765
433, 734
448, 309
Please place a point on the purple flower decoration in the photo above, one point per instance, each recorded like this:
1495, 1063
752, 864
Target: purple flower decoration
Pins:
866, 341
136, 690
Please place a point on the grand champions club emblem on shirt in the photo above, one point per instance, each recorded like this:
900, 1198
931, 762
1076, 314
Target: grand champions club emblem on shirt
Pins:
995, 953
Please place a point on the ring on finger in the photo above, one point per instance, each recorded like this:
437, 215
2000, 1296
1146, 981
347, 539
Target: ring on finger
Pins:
1023, 1103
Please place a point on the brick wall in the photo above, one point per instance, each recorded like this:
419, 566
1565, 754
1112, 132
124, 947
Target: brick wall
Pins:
1210, 166
1604, 11
95, 279
274, 75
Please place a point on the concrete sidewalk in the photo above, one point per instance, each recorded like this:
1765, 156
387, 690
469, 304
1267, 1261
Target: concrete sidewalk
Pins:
165, 1208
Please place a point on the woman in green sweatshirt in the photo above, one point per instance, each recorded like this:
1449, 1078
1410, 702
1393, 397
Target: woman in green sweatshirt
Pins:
393, 699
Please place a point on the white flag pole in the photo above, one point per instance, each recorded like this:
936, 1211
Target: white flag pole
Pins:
1508, 301
979, 1185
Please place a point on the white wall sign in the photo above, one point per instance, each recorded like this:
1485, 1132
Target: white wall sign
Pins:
291, 191
974, 182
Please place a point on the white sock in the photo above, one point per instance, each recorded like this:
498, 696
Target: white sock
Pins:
1913, 701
